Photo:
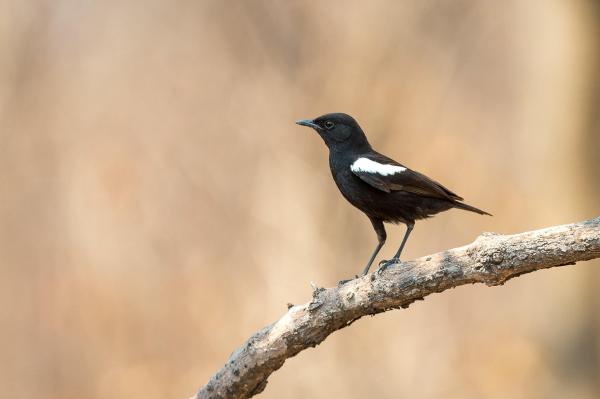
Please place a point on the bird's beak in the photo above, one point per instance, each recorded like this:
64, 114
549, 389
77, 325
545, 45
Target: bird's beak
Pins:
309, 123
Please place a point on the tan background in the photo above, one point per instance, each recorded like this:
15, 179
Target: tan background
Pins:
158, 205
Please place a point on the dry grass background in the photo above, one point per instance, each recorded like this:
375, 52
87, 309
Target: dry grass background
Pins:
158, 205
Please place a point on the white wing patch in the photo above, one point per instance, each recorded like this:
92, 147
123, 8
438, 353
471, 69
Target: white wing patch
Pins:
369, 166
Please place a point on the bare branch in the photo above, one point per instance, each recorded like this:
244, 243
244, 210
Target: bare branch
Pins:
491, 259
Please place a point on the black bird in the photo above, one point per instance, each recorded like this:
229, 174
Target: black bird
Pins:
385, 190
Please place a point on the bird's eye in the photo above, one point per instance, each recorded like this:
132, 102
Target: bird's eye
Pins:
329, 125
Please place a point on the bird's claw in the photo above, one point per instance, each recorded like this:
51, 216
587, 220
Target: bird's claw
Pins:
342, 282
384, 264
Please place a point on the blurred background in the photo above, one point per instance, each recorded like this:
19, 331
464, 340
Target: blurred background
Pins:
158, 205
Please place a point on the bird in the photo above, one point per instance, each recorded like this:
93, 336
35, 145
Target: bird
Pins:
386, 191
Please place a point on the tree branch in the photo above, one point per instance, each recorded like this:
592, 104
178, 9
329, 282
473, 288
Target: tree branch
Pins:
491, 259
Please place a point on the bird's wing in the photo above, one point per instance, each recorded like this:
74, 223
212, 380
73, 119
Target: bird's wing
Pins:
387, 175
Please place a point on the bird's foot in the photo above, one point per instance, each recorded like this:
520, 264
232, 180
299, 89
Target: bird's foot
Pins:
384, 264
342, 282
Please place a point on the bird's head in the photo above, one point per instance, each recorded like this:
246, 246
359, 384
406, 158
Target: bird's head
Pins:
339, 131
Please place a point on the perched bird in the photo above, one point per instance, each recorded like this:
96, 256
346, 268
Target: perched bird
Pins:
385, 190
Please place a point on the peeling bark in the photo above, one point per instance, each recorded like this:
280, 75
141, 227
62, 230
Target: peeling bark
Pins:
491, 259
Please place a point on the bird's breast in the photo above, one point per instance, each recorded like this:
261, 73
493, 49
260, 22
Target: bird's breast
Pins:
352, 187
357, 192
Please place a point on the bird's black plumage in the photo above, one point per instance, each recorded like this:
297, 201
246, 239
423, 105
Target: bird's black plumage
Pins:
385, 190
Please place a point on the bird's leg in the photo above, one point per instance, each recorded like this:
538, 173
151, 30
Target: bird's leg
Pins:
385, 263
381, 236
372, 258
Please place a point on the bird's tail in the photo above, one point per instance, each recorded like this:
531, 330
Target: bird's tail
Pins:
470, 208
